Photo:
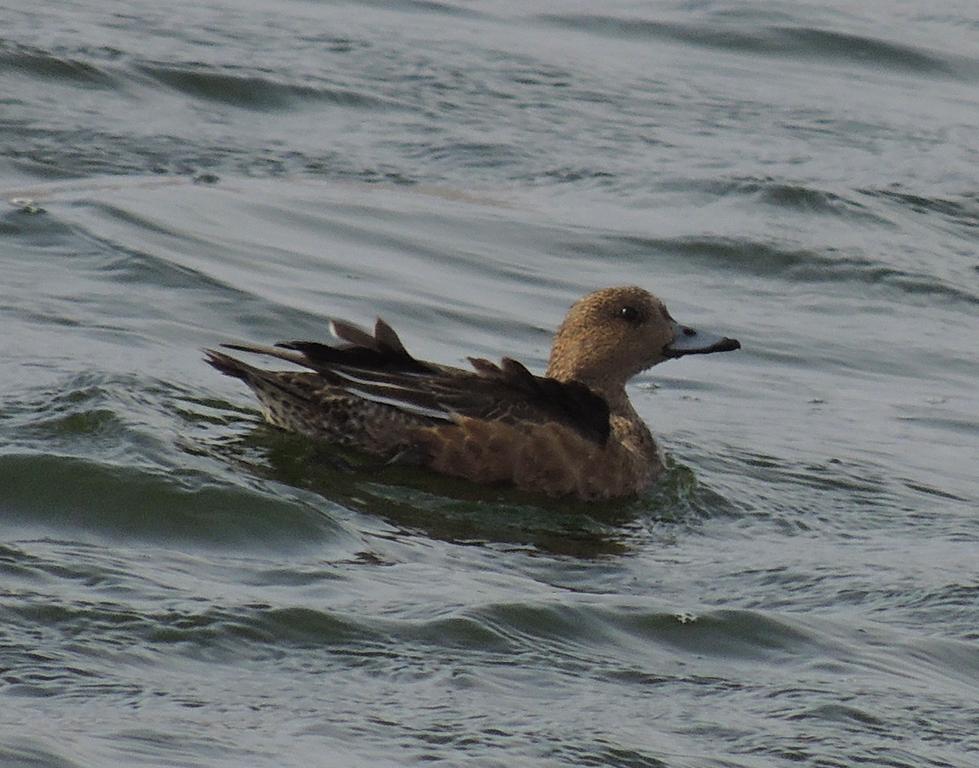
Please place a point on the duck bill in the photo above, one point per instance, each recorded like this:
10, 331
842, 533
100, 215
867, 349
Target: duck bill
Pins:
687, 341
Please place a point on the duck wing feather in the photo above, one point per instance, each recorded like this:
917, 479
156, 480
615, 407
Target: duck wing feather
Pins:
377, 367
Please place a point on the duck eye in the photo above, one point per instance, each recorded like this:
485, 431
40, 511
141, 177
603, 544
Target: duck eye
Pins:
630, 314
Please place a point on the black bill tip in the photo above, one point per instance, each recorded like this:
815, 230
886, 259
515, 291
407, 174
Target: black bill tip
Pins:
687, 341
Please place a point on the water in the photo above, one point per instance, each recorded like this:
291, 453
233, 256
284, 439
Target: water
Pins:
183, 586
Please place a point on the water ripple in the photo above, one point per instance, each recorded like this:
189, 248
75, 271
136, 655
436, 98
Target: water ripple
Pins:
46, 65
770, 259
42, 491
780, 41
250, 91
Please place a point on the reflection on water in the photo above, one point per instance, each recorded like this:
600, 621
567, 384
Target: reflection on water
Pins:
451, 510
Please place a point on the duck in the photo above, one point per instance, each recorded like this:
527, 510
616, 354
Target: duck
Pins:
572, 432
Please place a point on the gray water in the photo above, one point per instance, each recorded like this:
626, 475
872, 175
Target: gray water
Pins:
183, 586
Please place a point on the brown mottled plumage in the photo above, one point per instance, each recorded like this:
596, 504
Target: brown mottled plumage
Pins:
570, 432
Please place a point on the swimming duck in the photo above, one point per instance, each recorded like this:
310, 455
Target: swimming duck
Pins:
572, 432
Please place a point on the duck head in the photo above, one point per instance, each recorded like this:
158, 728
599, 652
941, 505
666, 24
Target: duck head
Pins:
612, 334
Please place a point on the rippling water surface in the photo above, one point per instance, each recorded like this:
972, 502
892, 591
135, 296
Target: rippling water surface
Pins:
181, 585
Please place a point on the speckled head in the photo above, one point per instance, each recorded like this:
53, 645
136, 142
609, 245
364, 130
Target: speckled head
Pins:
611, 335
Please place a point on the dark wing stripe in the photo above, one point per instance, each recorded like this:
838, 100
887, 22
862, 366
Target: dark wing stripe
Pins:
324, 356
570, 402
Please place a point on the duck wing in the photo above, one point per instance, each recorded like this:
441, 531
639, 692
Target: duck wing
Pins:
377, 367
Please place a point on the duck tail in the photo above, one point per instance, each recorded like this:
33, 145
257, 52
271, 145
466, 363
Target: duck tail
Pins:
229, 366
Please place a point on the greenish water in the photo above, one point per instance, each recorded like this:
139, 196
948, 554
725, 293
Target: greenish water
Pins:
181, 585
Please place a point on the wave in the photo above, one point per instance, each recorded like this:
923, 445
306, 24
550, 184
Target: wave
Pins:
250, 91
802, 265
39, 63
781, 41
134, 503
